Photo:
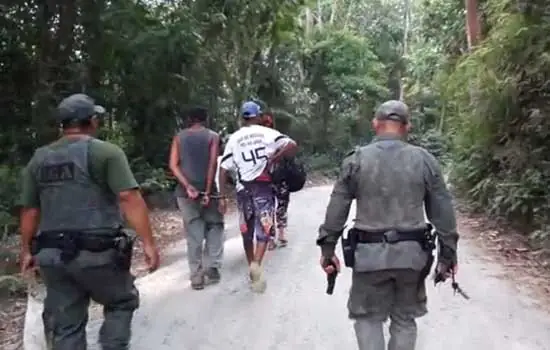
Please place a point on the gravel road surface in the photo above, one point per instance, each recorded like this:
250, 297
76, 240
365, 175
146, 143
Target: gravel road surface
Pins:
295, 312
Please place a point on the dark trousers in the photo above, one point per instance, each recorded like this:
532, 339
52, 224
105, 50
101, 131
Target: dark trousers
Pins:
69, 291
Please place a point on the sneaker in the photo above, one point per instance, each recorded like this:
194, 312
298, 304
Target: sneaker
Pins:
256, 276
213, 275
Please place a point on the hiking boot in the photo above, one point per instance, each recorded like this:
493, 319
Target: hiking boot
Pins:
197, 282
213, 275
258, 283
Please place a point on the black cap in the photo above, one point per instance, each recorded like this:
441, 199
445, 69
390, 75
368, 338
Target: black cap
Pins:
78, 107
393, 110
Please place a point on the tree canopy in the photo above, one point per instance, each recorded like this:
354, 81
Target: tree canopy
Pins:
479, 100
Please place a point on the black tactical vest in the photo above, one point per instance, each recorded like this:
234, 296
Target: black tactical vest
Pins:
70, 199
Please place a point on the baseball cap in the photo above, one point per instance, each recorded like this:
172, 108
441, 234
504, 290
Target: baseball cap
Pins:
393, 110
250, 110
78, 107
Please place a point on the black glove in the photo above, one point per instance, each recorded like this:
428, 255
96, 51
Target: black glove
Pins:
440, 272
446, 260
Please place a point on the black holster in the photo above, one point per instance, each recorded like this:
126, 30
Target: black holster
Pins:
124, 245
349, 245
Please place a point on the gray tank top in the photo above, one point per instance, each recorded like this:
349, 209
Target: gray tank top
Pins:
194, 157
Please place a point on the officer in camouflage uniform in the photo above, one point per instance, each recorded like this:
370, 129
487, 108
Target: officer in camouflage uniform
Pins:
74, 192
393, 182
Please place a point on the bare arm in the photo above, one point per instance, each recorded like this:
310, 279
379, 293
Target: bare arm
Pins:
212, 162
225, 164
30, 208
121, 181
29, 218
174, 162
136, 213
222, 179
288, 150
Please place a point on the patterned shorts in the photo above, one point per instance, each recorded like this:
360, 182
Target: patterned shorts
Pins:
256, 204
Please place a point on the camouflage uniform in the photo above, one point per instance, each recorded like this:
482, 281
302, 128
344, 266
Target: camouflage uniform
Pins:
393, 182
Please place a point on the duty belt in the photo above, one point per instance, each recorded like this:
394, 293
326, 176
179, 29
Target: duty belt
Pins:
92, 243
73, 242
392, 236
423, 236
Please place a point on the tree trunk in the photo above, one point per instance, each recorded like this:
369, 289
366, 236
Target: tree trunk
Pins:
406, 30
319, 15
473, 27
308, 24
333, 10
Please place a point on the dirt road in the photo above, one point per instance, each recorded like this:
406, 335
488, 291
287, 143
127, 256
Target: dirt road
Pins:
295, 313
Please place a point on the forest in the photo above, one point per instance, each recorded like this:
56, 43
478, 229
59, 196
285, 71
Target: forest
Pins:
476, 75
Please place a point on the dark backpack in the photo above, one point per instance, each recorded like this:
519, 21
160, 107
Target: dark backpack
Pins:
292, 172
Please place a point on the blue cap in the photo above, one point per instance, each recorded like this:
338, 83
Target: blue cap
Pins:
250, 110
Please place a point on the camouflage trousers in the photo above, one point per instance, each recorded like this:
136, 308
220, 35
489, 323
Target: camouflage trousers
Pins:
283, 197
375, 296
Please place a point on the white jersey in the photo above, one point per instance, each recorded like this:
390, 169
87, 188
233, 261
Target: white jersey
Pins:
238, 185
249, 148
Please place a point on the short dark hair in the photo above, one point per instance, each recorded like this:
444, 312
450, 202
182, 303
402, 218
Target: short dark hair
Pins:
197, 115
76, 123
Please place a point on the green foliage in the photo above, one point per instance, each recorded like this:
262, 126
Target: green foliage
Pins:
499, 119
8, 197
347, 80
434, 141
321, 68
151, 179
443, 22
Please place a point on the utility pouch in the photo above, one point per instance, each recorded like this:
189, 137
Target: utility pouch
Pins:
34, 247
69, 248
67, 242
